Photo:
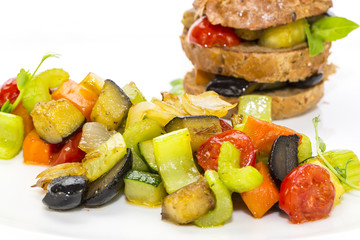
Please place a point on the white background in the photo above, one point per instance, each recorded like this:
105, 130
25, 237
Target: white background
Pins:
139, 41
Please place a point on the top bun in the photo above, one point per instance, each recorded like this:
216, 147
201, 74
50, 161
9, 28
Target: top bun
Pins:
258, 14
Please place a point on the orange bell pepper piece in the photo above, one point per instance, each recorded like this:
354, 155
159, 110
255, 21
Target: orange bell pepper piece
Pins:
27, 119
83, 98
263, 134
262, 198
35, 150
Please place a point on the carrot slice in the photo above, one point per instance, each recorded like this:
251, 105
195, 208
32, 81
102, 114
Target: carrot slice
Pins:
83, 98
27, 119
35, 150
263, 133
262, 198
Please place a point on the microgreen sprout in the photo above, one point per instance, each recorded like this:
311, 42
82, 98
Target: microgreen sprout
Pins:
23, 79
340, 173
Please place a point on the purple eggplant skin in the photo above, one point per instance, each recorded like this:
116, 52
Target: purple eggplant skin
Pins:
65, 193
308, 82
283, 157
110, 184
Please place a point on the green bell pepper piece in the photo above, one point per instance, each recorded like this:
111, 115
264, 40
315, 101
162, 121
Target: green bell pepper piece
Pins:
258, 106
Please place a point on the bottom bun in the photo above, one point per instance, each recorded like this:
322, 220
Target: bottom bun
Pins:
286, 103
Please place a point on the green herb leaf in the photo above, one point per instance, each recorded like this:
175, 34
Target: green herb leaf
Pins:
342, 171
176, 82
322, 145
332, 28
319, 141
6, 107
22, 79
316, 45
316, 121
177, 87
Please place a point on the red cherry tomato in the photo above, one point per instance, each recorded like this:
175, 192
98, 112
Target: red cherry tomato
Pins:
9, 91
70, 152
307, 193
208, 153
205, 34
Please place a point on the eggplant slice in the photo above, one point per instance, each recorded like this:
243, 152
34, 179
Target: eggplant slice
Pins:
109, 184
201, 127
112, 106
283, 157
188, 203
56, 120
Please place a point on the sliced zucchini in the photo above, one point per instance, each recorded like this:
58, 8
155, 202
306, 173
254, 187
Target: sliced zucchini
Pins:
111, 107
104, 157
188, 203
143, 130
200, 128
144, 188
147, 152
139, 163
93, 82
56, 120
106, 187
174, 158
134, 93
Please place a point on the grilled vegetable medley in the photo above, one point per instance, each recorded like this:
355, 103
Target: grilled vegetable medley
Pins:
100, 140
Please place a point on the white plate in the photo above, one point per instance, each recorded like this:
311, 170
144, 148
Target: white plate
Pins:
139, 41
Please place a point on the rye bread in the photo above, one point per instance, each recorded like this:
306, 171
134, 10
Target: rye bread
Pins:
256, 63
258, 14
286, 102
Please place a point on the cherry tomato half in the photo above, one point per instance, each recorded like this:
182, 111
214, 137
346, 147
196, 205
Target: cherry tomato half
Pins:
208, 153
205, 34
9, 91
70, 151
307, 193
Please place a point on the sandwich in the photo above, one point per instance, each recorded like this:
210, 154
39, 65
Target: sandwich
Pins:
268, 47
